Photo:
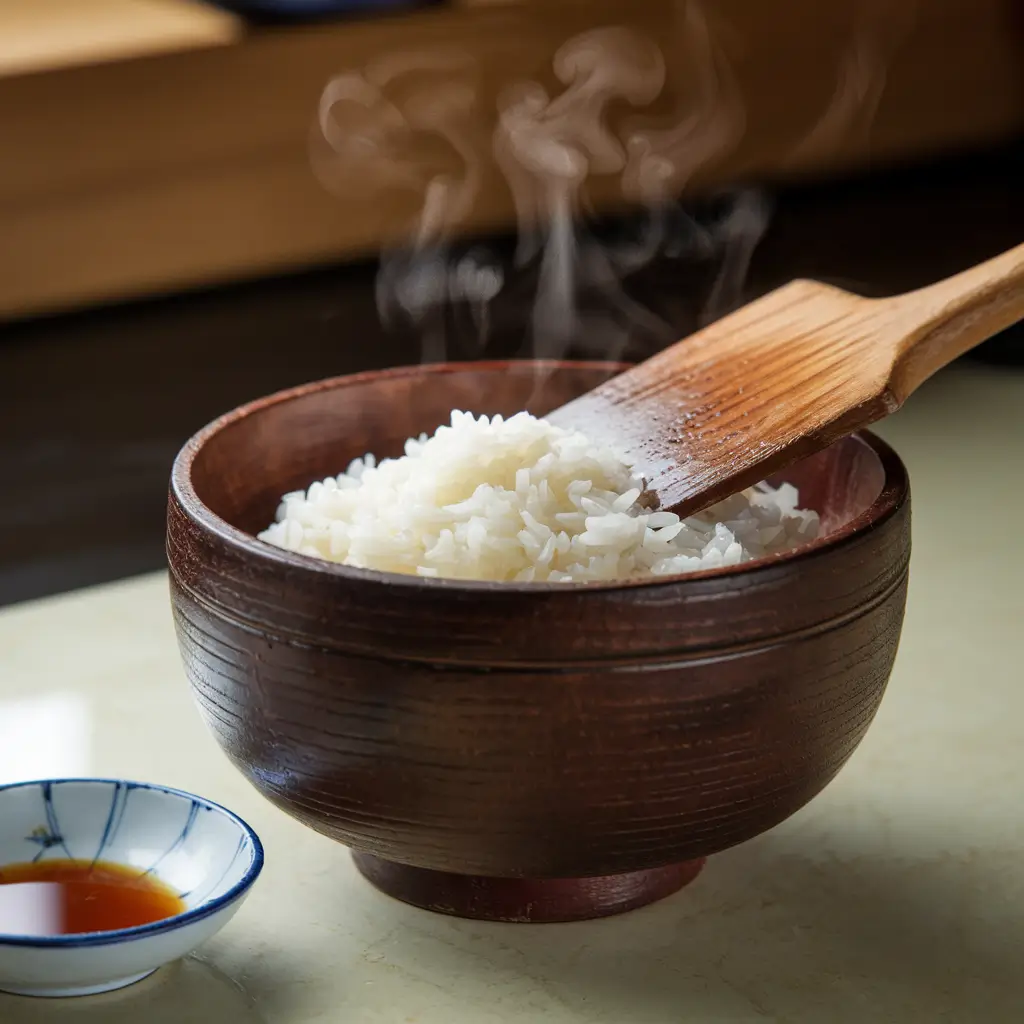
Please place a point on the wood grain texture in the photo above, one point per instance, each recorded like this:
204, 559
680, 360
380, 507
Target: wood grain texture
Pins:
787, 376
526, 900
517, 731
119, 439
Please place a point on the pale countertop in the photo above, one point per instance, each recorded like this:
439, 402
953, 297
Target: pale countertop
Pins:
896, 896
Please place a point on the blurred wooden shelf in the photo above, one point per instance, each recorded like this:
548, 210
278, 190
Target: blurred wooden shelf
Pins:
46, 35
156, 145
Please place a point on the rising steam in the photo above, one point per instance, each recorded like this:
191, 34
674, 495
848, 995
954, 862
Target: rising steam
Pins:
411, 126
662, 161
547, 148
406, 123
879, 30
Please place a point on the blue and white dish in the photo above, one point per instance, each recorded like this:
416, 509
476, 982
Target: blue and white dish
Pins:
206, 854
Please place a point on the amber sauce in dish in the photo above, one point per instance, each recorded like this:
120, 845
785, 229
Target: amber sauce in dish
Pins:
69, 897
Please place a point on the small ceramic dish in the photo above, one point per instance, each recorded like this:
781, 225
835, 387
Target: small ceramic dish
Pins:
202, 853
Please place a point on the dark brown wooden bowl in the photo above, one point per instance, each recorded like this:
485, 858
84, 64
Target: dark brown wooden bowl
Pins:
523, 752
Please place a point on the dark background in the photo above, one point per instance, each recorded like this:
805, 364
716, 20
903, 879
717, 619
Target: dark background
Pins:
94, 406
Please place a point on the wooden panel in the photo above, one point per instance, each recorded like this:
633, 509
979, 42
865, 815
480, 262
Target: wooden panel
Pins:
166, 114
40, 35
95, 405
192, 168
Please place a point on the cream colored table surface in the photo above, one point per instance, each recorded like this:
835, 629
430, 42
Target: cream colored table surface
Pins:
897, 895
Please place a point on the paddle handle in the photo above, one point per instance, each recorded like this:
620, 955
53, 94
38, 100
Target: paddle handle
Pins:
932, 326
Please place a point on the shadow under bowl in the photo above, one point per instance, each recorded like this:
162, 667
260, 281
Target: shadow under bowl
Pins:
523, 752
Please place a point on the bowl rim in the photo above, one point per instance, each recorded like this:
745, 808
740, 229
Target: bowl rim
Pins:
117, 936
893, 495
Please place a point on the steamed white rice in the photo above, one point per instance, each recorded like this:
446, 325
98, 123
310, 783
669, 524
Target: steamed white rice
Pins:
522, 500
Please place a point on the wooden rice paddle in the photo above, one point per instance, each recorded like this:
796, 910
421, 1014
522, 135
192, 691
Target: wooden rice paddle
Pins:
786, 376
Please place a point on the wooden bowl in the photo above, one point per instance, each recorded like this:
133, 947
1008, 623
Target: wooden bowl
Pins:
536, 751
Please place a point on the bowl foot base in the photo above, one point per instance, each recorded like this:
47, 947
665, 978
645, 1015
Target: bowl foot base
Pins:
526, 900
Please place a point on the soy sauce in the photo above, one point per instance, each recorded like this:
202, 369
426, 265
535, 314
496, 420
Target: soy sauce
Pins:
68, 897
